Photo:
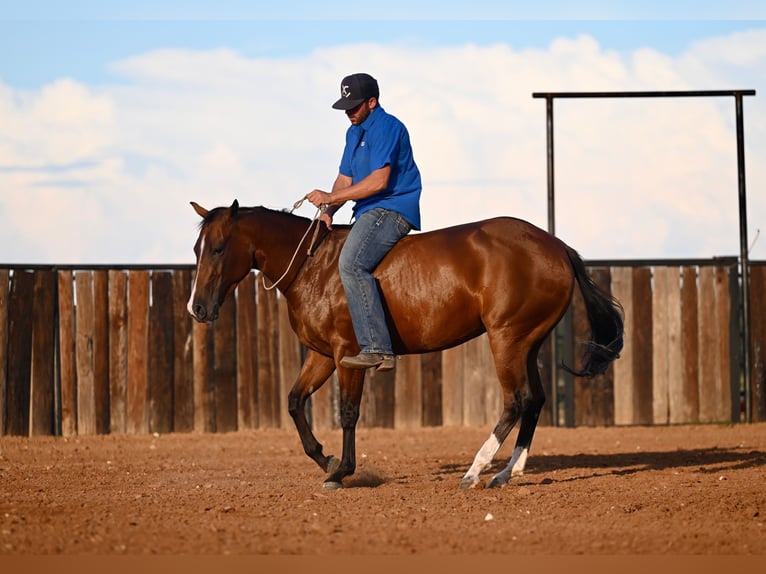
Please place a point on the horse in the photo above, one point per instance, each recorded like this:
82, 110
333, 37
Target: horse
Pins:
503, 276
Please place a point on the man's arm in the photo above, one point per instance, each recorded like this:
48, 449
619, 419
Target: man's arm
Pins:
343, 190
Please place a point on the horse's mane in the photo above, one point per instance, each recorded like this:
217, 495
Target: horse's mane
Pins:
243, 212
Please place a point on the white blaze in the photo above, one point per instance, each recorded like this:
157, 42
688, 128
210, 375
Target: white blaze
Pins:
194, 284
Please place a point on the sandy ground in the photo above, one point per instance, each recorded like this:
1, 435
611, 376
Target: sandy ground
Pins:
687, 490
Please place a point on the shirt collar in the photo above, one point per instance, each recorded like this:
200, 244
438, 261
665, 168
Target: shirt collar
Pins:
370, 121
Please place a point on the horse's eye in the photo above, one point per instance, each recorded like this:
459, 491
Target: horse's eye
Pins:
217, 250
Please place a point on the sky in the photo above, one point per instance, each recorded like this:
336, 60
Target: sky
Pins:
115, 115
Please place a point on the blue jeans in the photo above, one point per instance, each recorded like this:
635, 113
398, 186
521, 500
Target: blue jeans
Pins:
371, 237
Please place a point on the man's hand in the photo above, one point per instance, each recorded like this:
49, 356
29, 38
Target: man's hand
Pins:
321, 199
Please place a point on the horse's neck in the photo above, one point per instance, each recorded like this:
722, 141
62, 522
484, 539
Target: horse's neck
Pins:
279, 243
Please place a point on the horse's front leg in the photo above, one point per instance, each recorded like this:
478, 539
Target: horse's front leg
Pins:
351, 385
314, 373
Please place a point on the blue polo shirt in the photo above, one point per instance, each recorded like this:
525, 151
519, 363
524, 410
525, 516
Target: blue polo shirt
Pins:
379, 141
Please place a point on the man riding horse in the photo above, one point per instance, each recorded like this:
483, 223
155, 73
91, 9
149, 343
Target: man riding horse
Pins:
377, 172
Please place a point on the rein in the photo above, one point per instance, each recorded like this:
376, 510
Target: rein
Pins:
317, 215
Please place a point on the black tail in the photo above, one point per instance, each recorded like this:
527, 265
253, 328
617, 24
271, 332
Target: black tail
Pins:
605, 315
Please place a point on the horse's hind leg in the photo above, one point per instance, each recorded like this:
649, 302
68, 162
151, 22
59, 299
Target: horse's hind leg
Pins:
532, 404
486, 454
511, 373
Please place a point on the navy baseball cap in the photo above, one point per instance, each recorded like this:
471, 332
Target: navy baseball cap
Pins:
355, 89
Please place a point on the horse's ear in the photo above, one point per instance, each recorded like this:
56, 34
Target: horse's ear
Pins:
234, 207
201, 211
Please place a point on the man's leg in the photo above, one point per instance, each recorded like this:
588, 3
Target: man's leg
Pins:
371, 238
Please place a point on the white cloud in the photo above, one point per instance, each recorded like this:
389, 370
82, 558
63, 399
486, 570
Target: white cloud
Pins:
105, 173
63, 123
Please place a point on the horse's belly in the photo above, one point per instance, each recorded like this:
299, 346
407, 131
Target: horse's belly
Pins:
422, 333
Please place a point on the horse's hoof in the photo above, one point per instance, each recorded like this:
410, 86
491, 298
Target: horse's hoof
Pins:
332, 485
497, 482
468, 483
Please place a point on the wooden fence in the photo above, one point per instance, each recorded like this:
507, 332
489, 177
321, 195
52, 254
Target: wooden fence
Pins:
113, 350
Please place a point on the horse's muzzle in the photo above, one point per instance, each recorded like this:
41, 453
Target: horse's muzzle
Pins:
201, 313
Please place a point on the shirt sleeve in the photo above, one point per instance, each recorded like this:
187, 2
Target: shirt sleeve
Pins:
345, 160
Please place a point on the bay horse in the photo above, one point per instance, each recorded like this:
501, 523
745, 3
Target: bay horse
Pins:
503, 276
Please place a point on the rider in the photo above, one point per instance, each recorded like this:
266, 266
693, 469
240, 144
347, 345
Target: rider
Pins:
378, 173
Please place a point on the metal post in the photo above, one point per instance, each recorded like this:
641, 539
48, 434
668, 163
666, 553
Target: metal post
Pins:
551, 184
743, 251
553, 337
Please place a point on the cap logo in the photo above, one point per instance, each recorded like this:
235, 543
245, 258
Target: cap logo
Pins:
345, 92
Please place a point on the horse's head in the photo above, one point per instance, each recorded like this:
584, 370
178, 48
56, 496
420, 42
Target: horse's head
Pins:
223, 260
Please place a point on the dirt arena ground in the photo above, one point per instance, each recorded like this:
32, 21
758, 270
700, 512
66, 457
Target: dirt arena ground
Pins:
688, 490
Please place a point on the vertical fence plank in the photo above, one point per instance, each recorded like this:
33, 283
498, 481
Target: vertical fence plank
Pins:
204, 388
674, 351
377, 409
723, 312
18, 392
324, 414
67, 344
715, 365
431, 377
384, 388
118, 351
86, 398
101, 350
268, 357
708, 336
686, 409
183, 369
289, 361
452, 386
475, 393
757, 345
660, 345
642, 341
138, 351
668, 351
368, 408
624, 381
634, 368
247, 354
161, 353
43, 353
408, 391
225, 366
4, 284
